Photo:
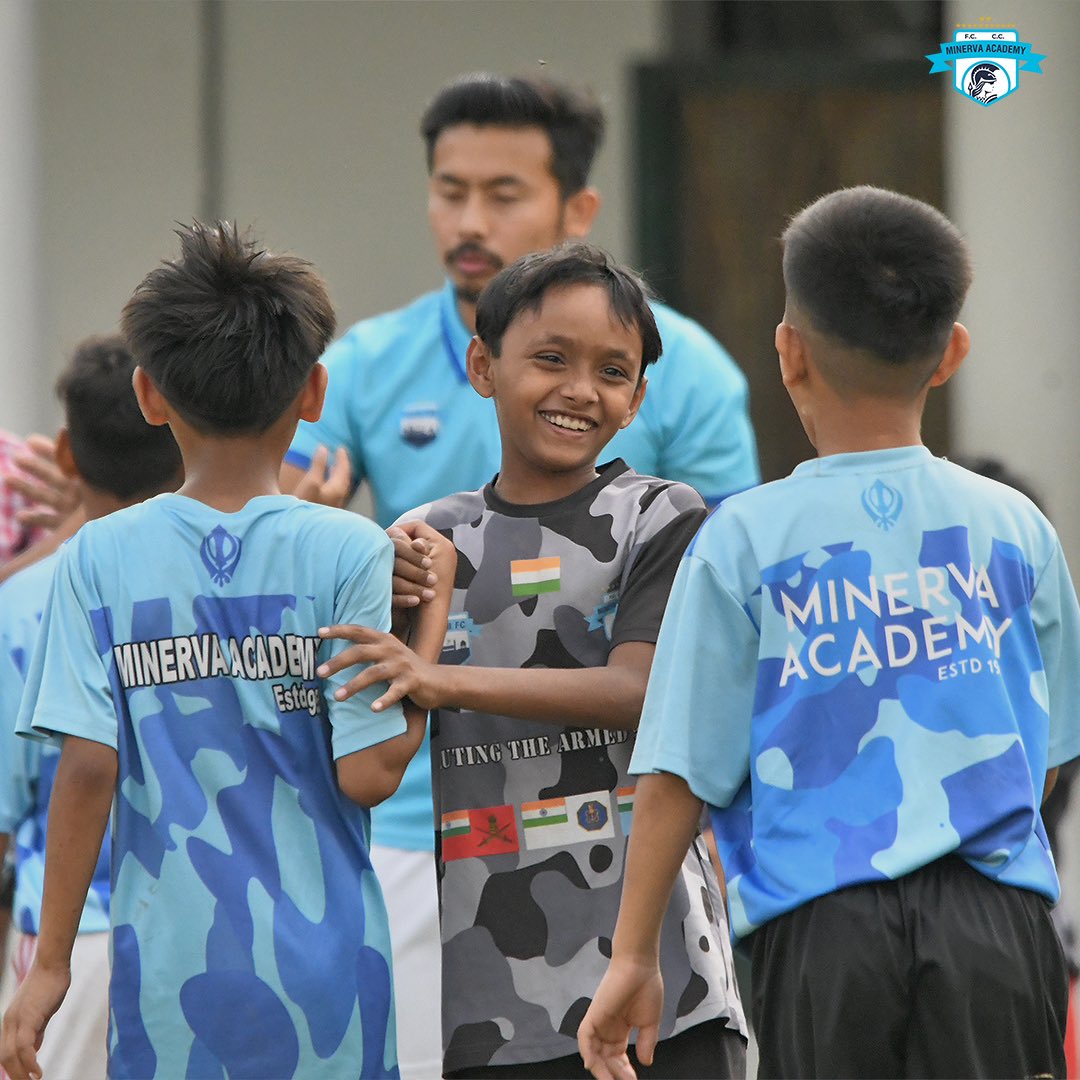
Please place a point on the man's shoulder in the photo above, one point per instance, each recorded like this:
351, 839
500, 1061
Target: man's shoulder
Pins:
410, 324
689, 347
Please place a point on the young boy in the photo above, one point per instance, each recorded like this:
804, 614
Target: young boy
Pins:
116, 459
870, 671
563, 573
177, 660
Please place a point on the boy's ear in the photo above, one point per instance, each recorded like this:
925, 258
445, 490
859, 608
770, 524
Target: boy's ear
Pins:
635, 402
478, 367
313, 394
65, 459
152, 405
791, 348
579, 213
953, 357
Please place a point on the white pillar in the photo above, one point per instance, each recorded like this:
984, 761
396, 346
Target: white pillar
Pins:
23, 392
1013, 170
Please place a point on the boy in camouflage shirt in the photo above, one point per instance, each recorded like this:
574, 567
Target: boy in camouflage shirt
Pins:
563, 574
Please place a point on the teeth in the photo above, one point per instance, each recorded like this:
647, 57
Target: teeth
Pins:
571, 422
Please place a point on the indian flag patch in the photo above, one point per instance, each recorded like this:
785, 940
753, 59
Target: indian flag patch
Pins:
455, 824
547, 812
625, 799
530, 577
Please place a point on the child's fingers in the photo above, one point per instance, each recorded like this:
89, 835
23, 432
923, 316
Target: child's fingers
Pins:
418, 591
645, 1046
368, 677
397, 692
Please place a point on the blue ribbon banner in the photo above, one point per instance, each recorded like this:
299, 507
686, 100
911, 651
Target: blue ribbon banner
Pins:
984, 49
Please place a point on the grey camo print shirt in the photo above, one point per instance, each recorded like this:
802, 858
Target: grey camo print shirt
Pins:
531, 818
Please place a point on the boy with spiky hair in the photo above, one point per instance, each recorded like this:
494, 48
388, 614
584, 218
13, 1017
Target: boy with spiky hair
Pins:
115, 459
564, 569
870, 672
177, 661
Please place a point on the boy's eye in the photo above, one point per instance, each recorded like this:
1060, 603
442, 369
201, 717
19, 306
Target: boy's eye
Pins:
551, 358
615, 373
504, 198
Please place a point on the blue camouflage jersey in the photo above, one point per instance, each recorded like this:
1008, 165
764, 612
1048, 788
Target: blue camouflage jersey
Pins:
864, 667
28, 767
249, 936
400, 402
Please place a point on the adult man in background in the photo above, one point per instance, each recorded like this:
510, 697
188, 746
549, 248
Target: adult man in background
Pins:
508, 162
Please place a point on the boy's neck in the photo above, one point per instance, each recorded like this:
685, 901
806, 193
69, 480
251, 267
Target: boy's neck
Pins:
866, 425
227, 473
540, 488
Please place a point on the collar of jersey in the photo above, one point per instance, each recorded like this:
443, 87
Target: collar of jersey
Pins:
896, 457
455, 334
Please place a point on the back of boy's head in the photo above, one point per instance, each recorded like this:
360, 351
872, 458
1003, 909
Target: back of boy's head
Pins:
115, 449
523, 285
572, 119
878, 272
228, 332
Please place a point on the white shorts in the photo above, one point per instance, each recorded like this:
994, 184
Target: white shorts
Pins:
75, 1043
407, 879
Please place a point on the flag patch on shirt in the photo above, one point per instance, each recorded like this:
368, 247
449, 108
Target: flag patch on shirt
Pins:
469, 833
531, 577
572, 820
625, 800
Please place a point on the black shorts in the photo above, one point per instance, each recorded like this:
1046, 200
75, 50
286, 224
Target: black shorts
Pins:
708, 1051
942, 973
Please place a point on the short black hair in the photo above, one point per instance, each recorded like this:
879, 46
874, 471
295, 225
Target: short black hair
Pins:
523, 285
572, 119
114, 448
228, 332
878, 271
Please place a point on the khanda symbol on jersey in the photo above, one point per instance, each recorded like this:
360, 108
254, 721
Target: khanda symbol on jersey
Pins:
220, 552
883, 504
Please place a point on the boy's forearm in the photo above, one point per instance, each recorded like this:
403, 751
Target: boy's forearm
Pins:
79, 810
666, 815
607, 697
429, 630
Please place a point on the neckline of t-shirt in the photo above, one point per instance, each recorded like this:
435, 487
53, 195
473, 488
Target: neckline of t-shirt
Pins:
606, 473
891, 459
259, 502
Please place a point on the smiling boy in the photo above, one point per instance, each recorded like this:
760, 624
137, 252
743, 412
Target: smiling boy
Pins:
563, 574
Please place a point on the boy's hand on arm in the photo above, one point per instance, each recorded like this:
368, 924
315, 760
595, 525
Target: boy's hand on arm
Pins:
388, 660
631, 994
423, 558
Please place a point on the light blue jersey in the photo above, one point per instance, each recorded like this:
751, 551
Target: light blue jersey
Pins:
400, 402
864, 667
28, 767
248, 931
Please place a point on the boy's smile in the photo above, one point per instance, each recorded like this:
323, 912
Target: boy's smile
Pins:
566, 380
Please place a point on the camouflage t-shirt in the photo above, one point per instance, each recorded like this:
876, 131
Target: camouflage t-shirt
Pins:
532, 818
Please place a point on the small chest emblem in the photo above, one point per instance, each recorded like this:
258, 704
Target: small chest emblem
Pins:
420, 423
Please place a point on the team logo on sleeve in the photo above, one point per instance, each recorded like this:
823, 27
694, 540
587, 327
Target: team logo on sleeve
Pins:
420, 423
603, 616
460, 629
883, 504
220, 552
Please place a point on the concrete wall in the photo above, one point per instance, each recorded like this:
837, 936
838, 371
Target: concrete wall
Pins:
1012, 172
321, 103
